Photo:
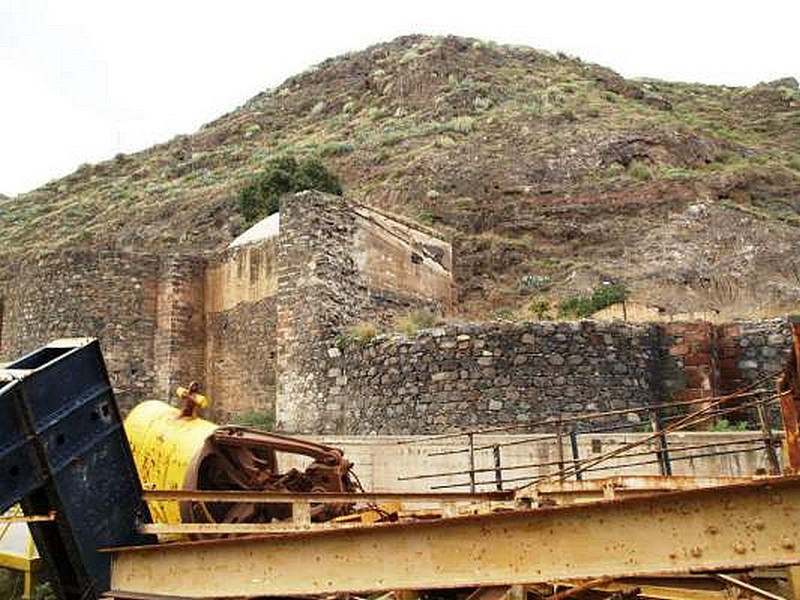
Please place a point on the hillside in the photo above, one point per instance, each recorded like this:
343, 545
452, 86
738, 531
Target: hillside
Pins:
549, 175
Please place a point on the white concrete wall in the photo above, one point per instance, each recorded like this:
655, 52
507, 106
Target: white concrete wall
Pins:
380, 461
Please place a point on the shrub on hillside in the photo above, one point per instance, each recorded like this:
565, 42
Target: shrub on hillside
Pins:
602, 296
280, 176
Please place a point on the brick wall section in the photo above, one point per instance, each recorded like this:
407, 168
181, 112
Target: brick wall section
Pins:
180, 342
241, 359
466, 376
693, 349
704, 359
107, 294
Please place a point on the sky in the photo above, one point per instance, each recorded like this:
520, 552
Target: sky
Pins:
81, 80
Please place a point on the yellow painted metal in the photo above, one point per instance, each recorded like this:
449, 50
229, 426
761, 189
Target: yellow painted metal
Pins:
722, 529
17, 551
164, 447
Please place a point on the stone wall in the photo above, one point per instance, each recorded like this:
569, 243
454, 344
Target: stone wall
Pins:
705, 359
241, 359
261, 326
762, 347
241, 315
328, 280
467, 376
179, 341
107, 294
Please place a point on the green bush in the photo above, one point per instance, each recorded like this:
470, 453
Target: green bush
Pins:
723, 425
335, 149
541, 308
639, 170
360, 333
602, 296
280, 176
425, 217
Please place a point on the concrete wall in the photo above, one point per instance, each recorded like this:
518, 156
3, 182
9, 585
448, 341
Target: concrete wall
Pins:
380, 461
245, 274
392, 257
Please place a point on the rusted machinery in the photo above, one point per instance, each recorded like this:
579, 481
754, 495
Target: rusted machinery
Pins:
175, 450
511, 538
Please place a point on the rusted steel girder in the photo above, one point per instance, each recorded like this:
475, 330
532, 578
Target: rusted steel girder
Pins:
718, 529
789, 390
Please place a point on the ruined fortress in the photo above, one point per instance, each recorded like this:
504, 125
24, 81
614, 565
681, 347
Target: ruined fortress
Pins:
262, 327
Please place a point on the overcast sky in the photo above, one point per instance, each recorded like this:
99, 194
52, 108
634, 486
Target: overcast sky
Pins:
81, 80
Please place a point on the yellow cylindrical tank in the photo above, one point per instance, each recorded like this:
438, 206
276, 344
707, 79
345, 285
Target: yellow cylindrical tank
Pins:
165, 448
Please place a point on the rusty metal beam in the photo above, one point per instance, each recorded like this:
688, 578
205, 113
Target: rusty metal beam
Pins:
241, 528
717, 529
749, 587
789, 390
670, 588
620, 486
325, 497
31, 519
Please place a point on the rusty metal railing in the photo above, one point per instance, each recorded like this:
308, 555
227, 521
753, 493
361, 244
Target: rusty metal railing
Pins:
564, 431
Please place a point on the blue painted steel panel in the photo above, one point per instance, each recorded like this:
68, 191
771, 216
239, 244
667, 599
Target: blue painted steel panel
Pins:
62, 419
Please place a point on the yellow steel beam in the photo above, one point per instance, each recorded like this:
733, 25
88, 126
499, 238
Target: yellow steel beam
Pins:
241, 528
590, 490
25, 519
734, 527
323, 497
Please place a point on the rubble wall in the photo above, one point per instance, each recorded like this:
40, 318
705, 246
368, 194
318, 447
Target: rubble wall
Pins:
105, 294
468, 376
329, 279
465, 376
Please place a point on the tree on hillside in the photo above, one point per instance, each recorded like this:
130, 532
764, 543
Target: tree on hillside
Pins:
284, 175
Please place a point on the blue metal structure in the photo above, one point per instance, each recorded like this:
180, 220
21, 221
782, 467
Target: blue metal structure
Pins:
63, 450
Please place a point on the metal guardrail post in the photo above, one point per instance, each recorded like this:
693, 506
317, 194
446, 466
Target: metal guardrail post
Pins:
498, 469
769, 440
664, 464
471, 437
576, 459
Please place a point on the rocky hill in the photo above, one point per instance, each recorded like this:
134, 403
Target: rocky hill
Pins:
549, 174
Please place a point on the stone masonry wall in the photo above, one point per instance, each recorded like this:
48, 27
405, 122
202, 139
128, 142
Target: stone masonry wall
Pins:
478, 375
108, 294
321, 292
705, 360
763, 347
179, 341
241, 358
